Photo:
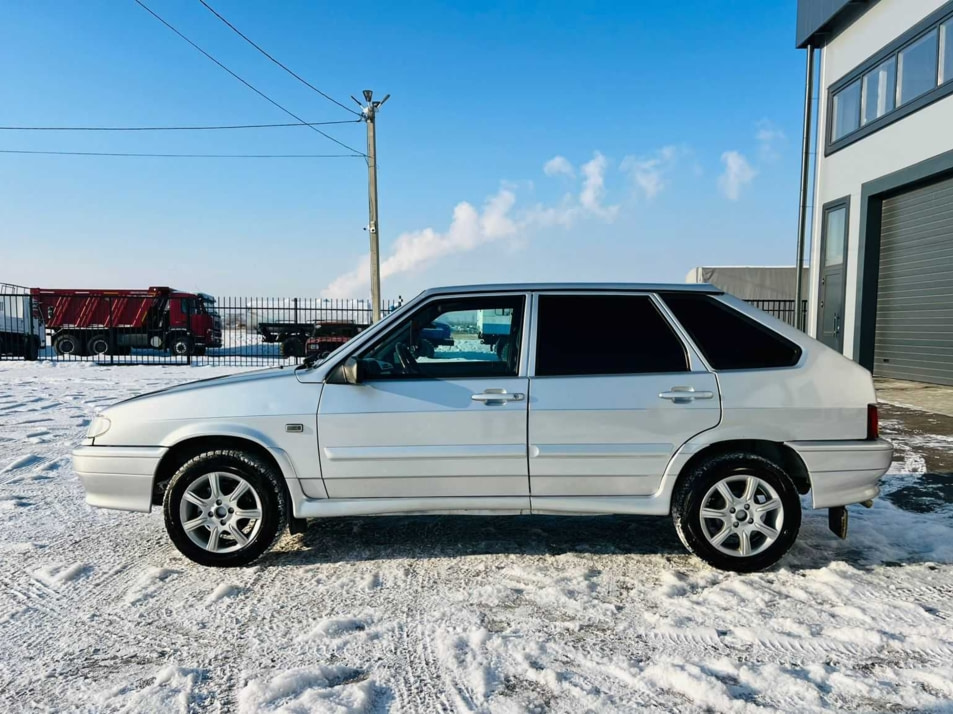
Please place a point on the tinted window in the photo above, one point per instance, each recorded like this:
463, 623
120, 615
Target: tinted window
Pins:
452, 339
728, 339
917, 68
846, 110
604, 334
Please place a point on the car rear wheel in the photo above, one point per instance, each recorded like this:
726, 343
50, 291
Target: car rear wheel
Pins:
737, 511
225, 508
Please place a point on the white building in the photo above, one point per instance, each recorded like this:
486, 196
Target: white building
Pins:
881, 286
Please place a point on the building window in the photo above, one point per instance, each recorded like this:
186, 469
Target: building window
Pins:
911, 73
946, 51
880, 89
846, 110
917, 68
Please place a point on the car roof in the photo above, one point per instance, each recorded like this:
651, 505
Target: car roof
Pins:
580, 287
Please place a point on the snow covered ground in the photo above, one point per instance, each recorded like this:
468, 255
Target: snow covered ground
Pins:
98, 612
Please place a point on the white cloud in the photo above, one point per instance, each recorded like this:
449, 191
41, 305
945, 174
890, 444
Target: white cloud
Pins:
471, 228
415, 249
594, 187
650, 173
558, 165
769, 136
737, 174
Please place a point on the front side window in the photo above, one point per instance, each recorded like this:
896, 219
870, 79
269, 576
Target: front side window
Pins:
456, 338
880, 90
917, 69
846, 110
729, 339
604, 335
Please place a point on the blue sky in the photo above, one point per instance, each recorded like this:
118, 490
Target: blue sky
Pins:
677, 125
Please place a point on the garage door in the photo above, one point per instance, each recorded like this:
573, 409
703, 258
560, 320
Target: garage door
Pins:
914, 338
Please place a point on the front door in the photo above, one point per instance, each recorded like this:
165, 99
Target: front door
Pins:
440, 411
830, 313
612, 397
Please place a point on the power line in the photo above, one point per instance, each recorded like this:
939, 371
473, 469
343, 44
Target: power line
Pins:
245, 82
284, 67
184, 156
173, 128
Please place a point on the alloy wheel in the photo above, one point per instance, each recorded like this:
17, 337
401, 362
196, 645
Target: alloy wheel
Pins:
220, 512
741, 515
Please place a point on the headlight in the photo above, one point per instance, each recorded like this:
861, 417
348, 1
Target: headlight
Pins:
99, 426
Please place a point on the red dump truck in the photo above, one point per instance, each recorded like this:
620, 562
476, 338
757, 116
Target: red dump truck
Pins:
97, 322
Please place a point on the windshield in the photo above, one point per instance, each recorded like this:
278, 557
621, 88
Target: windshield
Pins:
316, 359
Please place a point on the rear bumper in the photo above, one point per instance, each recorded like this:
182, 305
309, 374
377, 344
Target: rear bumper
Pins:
844, 472
118, 476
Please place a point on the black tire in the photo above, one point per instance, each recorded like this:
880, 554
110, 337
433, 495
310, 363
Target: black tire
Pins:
292, 347
260, 475
692, 488
68, 344
199, 351
181, 346
31, 349
98, 344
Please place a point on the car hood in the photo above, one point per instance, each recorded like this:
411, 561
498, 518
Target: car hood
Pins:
229, 380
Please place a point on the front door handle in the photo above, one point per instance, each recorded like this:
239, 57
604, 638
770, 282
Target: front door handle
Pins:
683, 395
497, 396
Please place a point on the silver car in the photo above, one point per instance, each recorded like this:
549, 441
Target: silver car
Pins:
667, 400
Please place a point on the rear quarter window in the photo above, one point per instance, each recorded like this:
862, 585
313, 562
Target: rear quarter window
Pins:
729, 339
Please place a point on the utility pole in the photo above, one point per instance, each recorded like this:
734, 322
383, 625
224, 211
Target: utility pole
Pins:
369, 113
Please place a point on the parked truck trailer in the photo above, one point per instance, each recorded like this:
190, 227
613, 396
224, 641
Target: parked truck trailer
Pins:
99, 322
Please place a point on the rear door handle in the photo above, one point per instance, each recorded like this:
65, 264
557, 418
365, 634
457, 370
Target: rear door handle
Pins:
683, 395
497, 396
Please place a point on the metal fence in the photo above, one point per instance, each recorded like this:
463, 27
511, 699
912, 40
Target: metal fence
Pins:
781, 309
160, 326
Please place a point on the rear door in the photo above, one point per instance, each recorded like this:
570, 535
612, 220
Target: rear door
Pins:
614, 392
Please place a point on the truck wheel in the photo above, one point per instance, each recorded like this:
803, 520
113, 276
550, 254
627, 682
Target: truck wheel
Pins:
31, 349
292, 347
66, 344
225, 508
737, 511
199, 350
97, 345
181, 346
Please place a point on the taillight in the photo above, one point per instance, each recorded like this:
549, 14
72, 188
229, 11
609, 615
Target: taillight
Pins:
873, 422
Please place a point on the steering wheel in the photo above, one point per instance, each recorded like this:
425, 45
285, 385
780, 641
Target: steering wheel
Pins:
405, 355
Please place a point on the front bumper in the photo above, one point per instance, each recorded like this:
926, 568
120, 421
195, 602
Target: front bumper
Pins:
844, 472
118, 476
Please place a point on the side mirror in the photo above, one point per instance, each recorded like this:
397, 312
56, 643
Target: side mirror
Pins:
353, 370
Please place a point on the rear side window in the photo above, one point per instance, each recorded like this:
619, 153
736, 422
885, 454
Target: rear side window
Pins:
604, 334
729, 339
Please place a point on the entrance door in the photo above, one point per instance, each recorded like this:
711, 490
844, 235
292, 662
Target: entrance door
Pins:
440, 411
830, 313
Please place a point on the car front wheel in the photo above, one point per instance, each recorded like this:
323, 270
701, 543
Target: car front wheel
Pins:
737, 511
225, 508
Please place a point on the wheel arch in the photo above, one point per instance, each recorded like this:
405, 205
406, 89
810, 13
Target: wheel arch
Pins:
190, 446
777, 452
